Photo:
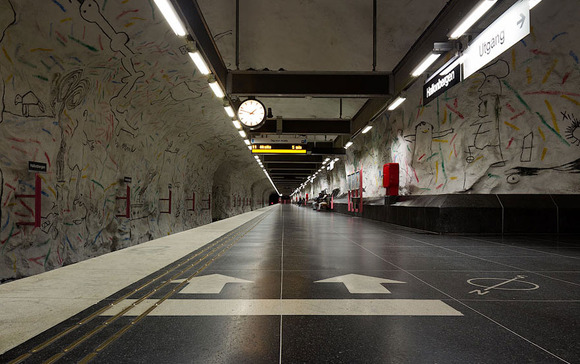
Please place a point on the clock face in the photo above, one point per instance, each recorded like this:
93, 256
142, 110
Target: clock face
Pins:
251, 113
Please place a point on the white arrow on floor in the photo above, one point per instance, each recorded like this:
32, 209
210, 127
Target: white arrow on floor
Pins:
210, 284
356, 283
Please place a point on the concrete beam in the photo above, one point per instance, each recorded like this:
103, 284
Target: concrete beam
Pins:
301, 84
306, 126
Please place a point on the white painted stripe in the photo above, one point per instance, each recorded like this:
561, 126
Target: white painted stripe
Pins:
301, 307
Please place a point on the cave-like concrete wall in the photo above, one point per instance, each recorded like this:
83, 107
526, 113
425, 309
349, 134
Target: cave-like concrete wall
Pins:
99, 92
513, 127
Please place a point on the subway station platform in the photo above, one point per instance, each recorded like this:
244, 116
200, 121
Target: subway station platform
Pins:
286, 284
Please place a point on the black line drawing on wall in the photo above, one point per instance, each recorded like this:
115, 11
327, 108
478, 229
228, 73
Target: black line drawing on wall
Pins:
423, 139
487, 137
423, 150
29, 101
67, 93
527, 148
181, 92
7, 19
1, 195
573, 130
89, 11
514, 174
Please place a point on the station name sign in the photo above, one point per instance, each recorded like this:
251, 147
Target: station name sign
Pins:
36, 166
503, 33
440, 83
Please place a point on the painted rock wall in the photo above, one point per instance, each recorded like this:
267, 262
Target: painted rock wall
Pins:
99, 92
513, 127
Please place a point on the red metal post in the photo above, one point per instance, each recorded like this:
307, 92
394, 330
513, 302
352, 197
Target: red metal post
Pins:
127, 199
169, 200
192, 202
37, 200
360, 188
37, 203
348, 203
128, 207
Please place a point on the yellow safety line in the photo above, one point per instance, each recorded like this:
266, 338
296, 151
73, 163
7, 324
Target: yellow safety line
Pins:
224, 239
122, 331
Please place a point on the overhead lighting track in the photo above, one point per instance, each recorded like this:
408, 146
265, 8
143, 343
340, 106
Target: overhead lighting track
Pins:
472, 17
171, 17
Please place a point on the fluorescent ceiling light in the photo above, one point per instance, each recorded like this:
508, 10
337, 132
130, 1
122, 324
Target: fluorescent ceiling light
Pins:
217, 90
534, 3
258, 158
398, 101
171, 17
229, 111
428, 61
366, 129
249, 146
199, 63
247, 143
336, 159
347, 145
474, 15
237, 124
323, 163
242, 133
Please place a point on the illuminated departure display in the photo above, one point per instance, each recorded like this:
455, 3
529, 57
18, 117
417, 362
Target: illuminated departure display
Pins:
278, 149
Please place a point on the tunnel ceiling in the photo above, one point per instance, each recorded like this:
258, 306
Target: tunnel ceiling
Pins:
314, 36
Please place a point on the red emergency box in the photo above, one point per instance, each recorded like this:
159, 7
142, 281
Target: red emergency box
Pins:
391, 178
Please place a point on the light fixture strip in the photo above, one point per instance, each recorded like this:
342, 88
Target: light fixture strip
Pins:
422, 67
366, 129
237, 124
217, 90
474, 15
171, 17
398, 101
242, 133
199, 63
230, 111
347, 145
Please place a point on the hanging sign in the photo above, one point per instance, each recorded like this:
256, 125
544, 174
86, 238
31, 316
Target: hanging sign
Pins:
278, 139
278, 149
36, 166
438, 84
503, 33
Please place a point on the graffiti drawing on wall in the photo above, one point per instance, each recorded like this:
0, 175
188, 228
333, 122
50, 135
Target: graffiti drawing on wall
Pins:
573, 130
67, 93
29, 102
90, 12
423, 148
487, 136
515, 174
7, 18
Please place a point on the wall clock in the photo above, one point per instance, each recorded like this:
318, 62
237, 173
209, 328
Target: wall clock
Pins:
252, 113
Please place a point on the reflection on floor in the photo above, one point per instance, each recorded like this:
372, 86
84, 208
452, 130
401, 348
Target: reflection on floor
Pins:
290, 284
